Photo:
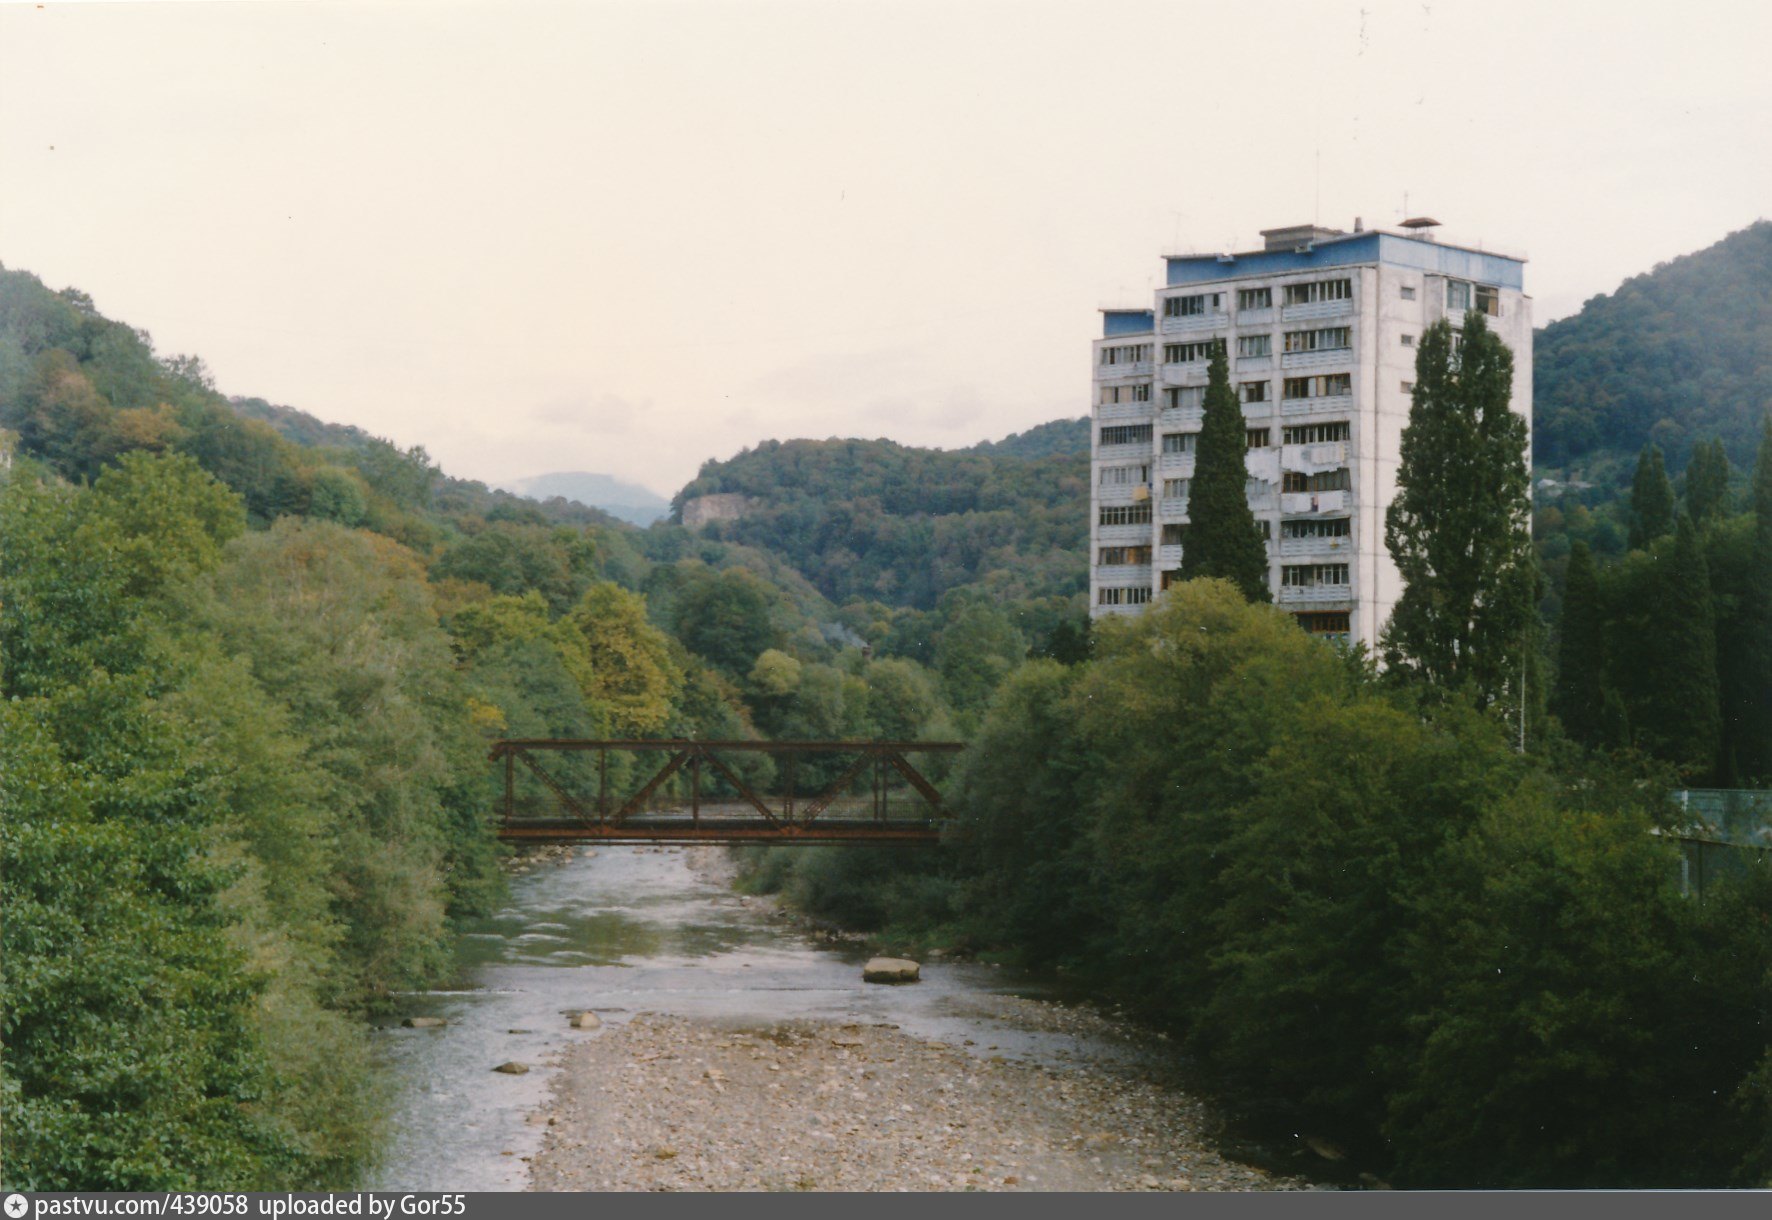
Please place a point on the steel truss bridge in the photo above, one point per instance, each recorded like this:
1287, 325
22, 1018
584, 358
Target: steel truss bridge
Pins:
686, 791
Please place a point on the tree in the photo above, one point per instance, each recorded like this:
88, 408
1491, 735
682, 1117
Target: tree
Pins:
1580, 697
1459, 528
728, 618
1707, 481
1754, 714
1651, 500
634, 675
1681, 720
1223, 539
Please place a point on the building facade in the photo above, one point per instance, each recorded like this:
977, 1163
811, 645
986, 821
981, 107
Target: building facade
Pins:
1320, 328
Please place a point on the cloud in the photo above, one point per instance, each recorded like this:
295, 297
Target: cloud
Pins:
605, 415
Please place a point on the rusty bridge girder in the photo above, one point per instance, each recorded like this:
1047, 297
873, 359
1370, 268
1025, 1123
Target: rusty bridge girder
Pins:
748, 816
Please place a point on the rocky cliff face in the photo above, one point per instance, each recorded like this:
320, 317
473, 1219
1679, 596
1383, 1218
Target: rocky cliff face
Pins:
723, 506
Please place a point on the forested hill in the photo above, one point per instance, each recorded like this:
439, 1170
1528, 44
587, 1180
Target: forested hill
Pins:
1679, 353
881, 521
1060, 438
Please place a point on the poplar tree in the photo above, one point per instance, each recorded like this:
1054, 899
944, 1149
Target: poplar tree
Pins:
1651, 500
1459, 527
1222, 537
1580, 697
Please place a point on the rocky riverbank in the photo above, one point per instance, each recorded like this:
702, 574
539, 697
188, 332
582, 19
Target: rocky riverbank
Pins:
668, 1103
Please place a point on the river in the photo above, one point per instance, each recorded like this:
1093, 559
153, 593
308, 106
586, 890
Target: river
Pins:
630, 930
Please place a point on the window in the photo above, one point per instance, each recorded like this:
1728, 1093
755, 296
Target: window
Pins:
1254, 391
1323, 480
1126, 434
1175, 534
1330, 386
1255, 345
1331, 622
1458, 296
1489, 300
1183, 397
1319, 290
1408, 340
1125, 476
1130, 353
1179, 442
1408, 292
1326, 527
1313, 575
1189, 353
1316, 434
1194, 306
1333, 338
1175, 489
1111, 555
1256, 438
1255, 298
1408, 387
1171, 577
1122, 597
1126, 514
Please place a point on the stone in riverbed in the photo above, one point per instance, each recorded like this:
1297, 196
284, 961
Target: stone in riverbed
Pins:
890, 970
586, 1020
513, 1069
425, 1022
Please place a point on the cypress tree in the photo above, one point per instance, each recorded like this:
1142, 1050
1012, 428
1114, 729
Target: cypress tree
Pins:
1222, 538
1580, 696
1651, 500
1683, 724
1707, 481
1459, 528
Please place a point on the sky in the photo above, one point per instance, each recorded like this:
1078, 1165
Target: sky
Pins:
628, 238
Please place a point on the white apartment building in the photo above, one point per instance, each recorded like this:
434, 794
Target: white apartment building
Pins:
1320, 328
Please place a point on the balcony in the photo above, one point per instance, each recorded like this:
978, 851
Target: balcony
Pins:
1198, 321
1125, 410
1255, 364
1316, 309
1108, 372
1123, 453
1255, 317
1328, 548
1319, 359
1318, 597
1340, 403
1304, 502
1329, 455
1176, 465
1181, 419
1123, 535
1123, 574
1169, 556
1172, 509
1192, 373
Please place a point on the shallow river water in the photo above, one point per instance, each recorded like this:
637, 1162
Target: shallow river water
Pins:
624, 931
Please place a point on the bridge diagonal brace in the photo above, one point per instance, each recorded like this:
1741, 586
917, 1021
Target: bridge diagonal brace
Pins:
636, 801
744, 789
896, 761
822, 801
566, 798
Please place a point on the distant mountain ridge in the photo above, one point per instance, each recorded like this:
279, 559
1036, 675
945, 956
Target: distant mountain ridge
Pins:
1680, 353
629, 501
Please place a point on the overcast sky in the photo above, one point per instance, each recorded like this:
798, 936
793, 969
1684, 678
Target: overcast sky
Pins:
630, 237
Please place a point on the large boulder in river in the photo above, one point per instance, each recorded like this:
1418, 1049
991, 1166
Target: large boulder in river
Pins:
890, 970
513, 1069
586, 1020
426, 1022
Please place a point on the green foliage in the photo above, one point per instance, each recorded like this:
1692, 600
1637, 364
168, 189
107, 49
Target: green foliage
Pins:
1459, 527
1223, 539
335, 494
1651, 500
632, 671
729, 619
976, 651
168, 519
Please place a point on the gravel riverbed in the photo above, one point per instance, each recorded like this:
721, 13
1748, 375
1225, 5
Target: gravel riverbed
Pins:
669, 1103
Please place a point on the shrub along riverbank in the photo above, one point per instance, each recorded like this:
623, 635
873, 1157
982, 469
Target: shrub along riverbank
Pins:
1366, 913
